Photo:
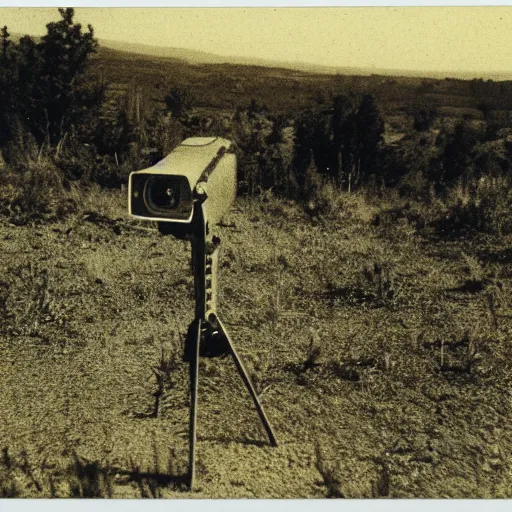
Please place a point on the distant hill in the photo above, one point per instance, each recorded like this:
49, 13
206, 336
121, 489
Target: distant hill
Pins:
200, 57
190, 56
222, 84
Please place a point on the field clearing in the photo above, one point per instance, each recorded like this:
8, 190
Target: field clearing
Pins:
381, 355
284, 91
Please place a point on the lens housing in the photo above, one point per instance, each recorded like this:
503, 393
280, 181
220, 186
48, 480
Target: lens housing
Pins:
162, 194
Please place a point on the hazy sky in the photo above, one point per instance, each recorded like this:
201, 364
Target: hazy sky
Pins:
475, 39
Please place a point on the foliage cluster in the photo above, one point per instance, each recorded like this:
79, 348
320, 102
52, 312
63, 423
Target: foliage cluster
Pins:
44, 86
58, 113
343, 141
60, 124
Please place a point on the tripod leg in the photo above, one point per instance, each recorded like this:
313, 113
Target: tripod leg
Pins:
247, 381
195, 339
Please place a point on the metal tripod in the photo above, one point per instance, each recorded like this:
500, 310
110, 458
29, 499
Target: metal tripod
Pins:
207, 335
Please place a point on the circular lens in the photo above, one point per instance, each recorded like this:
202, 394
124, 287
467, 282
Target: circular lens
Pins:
162, 193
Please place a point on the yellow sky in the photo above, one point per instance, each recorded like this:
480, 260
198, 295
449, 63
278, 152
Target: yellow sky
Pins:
415, 38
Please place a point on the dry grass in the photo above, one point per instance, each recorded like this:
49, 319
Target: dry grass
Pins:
383, 372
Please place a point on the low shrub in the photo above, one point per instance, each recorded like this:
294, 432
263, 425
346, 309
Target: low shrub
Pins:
328, 202
488, 208
325, 201
36, 191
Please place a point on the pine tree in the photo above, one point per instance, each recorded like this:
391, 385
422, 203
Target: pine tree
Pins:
4, 37
9, 114
457, 158
302, 156
179, 102
370, 129
342, 135
424, 114
324, 151
65, 99
252, 129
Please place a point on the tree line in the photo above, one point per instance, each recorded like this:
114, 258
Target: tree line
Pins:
52, 105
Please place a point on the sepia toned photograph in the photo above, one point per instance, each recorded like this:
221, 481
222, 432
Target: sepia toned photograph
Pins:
255, 252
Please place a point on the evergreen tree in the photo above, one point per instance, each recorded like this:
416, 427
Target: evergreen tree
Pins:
370, 131
252, 128
64, 98
4, 38
423, 113
44, 87
179, 102
7, 91
342, 108
324, 151
457, 157
302, 155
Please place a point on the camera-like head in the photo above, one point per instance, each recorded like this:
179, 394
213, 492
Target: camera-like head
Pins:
200, 169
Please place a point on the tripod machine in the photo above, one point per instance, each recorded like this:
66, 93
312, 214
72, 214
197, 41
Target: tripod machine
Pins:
206, 335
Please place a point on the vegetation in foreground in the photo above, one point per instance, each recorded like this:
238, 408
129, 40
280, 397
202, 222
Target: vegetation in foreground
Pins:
365, 279
380, 351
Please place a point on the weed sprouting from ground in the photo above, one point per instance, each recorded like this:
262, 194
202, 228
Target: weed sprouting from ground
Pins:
491, 297
477, 279
381, 487
37, 191
164, 373
313, 353
151, 482
345, 476
38, 305
264, 369
26, 467
21, 477
8, 485
376, 285
460, 355
381, 279
486, 209
280, 292
89, 479
329, 475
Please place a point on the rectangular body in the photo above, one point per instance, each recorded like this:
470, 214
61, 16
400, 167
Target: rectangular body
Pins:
166, 191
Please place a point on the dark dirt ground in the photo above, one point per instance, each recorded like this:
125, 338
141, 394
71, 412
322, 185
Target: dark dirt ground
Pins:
381, 355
